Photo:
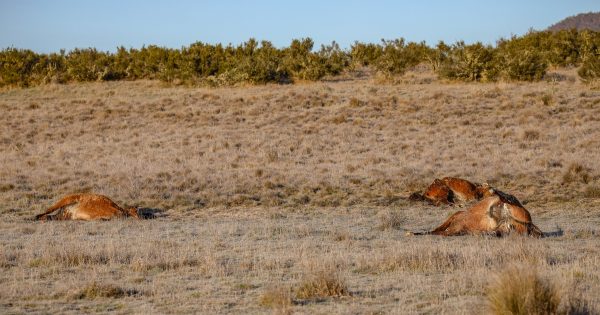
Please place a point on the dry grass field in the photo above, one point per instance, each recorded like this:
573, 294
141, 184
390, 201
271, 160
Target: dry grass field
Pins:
292, 198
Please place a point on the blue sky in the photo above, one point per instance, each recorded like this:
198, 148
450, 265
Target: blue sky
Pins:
49, 25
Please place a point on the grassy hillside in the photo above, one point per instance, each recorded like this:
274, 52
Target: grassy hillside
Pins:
272, 194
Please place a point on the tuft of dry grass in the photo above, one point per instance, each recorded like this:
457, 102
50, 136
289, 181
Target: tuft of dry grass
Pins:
96, 290
322, 284
592, 192
577, 173
531, 135
521, 290
547, 99
391, 220
278, 298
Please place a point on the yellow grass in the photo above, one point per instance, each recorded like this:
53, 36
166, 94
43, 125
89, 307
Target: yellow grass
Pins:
257, 189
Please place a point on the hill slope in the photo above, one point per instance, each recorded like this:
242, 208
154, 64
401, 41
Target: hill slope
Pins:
588, 21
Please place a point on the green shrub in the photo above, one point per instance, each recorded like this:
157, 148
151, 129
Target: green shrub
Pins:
590, 69
465, 62
397, 56
363, 54
334, 59
90, 65
438, 56
518, 60
16, 67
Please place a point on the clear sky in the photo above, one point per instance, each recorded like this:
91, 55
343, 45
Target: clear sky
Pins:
49, 25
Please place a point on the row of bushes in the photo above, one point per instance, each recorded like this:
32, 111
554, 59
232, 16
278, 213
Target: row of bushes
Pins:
524, 58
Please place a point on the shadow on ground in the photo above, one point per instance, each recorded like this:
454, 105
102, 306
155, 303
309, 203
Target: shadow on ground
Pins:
557, 233
151, 213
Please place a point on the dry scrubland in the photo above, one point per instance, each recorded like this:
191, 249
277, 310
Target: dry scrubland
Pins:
292, 197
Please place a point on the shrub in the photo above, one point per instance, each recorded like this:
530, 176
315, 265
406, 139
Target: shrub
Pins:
438, 56
91, 65
334, 59
590, 69
465, 62
300, 62
397, 56
363, 54
16, 67
516, 60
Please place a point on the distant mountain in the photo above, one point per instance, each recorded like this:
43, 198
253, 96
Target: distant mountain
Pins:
587, 21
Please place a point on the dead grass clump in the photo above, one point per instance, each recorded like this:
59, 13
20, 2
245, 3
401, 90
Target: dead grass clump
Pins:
577, 305
592, 192
494, 93
341, 235
391, 220
531, 135
6, 187
547, 99
322, 284
96, 290
576, 173
354, 102
520, 290
276, 297
339, 119
73, 258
